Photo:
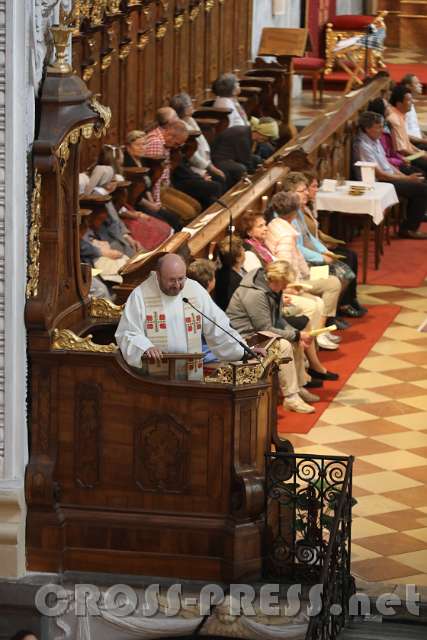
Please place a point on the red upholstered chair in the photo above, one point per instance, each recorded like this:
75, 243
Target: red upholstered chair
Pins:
313, 68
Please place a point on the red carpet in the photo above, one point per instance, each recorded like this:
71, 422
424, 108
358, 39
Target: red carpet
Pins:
403, 264
357, 342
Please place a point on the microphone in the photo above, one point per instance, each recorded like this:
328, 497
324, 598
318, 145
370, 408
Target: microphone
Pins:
244, 346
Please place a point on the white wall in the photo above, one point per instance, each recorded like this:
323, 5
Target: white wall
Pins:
263, 17
349, 6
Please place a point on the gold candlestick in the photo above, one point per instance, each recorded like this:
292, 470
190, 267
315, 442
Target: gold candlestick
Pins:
61, 36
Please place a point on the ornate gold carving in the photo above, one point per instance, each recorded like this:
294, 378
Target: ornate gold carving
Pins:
161, 30
89, 71
209, 5
178, 21
194, 12
143, 39
165, 4
222, 375
249, 374
61, 36
113, 7
103, 112
125, 50
106, 61
97, 13
34, 239
67, 340
103, 308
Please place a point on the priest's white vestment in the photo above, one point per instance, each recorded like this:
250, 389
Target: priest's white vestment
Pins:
131, 334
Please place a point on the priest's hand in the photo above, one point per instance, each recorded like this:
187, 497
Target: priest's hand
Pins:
260, 351
154, 354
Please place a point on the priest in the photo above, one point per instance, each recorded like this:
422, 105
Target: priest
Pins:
160, 317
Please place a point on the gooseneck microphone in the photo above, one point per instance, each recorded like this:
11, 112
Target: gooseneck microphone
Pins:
244, 346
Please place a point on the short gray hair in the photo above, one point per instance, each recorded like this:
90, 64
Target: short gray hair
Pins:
180, 102
224, 85
284, 202
367, 119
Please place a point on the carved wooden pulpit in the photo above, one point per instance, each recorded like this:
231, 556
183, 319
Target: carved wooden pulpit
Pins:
127, 474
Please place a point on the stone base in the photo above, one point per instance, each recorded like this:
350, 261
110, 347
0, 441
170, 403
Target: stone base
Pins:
12, 530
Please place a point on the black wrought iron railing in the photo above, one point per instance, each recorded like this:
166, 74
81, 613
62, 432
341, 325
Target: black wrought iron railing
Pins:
308, 533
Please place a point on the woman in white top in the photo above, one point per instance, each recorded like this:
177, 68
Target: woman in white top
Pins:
227, 88
200, 161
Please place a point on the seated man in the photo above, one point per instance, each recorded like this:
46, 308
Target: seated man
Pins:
400, 105
367, 147
411, 118
161, 297
256, 305
234, 147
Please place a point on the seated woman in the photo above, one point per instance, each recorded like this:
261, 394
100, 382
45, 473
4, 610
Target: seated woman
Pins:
200, 161
313, 250
281, 240
203, 272
150, 232
256, 306
134, 157
228, 276
227, 88
113, 230
350, 305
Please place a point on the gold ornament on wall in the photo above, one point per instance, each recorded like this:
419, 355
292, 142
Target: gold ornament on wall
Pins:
34, 238
67, 340
161, 30
209, 5
178, 22
143, 39
105, 309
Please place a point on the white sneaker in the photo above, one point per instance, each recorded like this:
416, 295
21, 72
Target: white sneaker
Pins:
333, 337
297, 404
324, 343
307, 396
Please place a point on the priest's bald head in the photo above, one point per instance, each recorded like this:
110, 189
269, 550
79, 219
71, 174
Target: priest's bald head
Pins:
171, 274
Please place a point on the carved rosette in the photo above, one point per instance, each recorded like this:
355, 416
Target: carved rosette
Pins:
66, 340
161, 455
209, 5
143, 40
178, 21
34, 238
161, 30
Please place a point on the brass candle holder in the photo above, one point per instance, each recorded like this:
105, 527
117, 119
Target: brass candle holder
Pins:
61, 37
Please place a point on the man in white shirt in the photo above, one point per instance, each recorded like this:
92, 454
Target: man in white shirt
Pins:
159, 317
411, 119
367, 147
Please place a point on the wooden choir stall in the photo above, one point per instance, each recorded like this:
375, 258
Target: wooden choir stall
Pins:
127, 473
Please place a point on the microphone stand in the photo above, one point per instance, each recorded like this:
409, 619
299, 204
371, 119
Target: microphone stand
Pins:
244, 346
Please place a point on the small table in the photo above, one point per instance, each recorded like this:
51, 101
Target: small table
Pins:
369, 207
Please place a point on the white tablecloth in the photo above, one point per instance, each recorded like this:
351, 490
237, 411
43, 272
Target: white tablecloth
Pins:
373, 202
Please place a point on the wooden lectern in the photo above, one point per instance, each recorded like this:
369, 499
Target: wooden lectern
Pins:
284, 44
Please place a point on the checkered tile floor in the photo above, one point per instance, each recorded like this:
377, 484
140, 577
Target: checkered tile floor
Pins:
380, 417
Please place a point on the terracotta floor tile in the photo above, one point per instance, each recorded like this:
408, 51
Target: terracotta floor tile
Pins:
360, 467
400, 390
388, 408
374, 504
391, 544
376, 427
400, 520
412, 421
415, 559
379, 569
419, 473
415, 441
415, 497
409, 375
420, 534
419, 357
358, 492
363, 527
398, 294
362, 447
384, 481
395, 459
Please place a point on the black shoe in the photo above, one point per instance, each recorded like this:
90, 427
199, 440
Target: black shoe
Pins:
314, 384
328, 375
340, 323
356, 305
350, 312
